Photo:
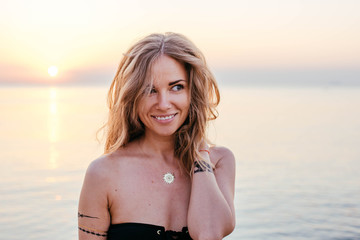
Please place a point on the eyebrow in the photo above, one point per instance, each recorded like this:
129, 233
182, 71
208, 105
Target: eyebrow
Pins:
175, 82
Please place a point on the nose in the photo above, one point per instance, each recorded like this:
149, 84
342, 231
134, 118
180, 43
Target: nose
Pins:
163, 101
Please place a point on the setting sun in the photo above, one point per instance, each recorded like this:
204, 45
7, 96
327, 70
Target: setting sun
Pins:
52, 71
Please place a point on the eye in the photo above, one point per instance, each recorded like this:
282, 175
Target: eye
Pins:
178, 87
149, 90
153, 90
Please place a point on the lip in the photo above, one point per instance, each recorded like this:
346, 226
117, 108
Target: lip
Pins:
164, 118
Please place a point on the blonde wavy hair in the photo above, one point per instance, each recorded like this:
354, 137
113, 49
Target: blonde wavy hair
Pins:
133, 78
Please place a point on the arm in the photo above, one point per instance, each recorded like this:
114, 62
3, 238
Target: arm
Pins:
93, 213
211, 212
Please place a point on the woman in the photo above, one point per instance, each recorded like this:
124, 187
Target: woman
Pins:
158, 178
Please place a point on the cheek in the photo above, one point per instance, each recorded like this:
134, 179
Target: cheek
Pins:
144, 109
141, 113
141, 110
188, 101
186, 104
184, 99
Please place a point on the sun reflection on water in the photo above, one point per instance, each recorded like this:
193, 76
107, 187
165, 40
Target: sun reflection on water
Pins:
53, 128
53, 163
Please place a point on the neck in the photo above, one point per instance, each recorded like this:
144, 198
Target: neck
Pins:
162, 148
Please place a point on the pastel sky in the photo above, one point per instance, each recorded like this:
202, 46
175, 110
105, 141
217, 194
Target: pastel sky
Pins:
85, 39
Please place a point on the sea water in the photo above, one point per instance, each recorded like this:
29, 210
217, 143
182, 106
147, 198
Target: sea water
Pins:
297, 153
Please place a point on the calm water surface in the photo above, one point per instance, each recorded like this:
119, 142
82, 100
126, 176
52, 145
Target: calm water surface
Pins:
297, 151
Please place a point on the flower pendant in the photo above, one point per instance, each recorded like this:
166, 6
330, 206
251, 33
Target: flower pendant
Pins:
169, 178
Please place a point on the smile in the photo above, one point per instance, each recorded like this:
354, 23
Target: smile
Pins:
164, 117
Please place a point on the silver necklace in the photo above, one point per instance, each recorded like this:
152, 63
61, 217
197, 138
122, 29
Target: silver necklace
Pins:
169, 178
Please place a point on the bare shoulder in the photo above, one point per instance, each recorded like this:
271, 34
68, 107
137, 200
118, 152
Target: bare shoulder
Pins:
222, 156
102, 167
99, 166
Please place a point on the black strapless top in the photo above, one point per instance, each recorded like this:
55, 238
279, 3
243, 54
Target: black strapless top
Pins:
142, 231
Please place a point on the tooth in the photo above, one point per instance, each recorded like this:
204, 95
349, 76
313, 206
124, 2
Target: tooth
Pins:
165, 118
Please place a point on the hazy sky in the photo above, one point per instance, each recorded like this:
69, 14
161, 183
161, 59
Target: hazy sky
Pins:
85, 39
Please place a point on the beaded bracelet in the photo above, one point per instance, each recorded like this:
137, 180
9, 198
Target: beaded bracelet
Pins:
204, 150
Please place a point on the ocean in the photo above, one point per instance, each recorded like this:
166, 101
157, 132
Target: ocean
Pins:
297, 152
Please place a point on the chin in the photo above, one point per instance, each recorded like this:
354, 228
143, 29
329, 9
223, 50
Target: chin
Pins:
167, 134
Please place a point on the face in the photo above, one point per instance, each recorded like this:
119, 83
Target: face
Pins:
166, 108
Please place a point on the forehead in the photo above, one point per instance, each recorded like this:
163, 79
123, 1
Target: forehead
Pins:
169, 69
